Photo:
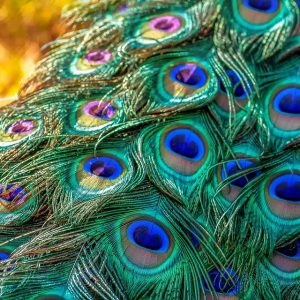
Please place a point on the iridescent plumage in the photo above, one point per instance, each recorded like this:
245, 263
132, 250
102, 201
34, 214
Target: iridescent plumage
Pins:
154, 154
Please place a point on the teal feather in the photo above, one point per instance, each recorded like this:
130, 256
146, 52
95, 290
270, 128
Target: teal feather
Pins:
233, 107
95, 254
290, 48
154, 154
90, 115
279, 124
182, 81
236, 172
255, 29
180, 170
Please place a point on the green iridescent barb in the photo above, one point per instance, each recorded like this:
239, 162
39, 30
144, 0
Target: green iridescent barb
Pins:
154, 154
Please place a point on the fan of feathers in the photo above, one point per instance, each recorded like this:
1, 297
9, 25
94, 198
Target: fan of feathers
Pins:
154, 153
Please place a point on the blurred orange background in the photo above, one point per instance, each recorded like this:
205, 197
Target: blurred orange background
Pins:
25, 25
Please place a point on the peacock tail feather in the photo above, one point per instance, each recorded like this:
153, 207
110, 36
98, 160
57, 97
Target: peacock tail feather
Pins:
154, 154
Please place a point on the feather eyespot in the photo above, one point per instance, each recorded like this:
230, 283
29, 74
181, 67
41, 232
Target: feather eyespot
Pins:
18, 130
282, 194
160, 27
256, 14
18, 203
291, 250
184, 142
233, 167
183, 149
179, 152
12, 197
223, 283
287, 101
104, 167
286, 187
287, 258
100, 109
166, 23
189, 74
92, 115
91, 61
4, 254
148, 235
234, 174
98, 57
188, 80
238, 89
146, 241
266, 6
98, 175
22, 127
184, 79
282, 109
239, 92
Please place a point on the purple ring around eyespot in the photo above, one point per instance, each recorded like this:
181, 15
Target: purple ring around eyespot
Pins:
98, 57
100, 109
22, 127
169, 23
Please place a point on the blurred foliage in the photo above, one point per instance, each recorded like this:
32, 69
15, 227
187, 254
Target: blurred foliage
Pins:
25, 25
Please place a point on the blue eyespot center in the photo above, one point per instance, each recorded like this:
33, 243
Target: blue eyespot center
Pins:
189, 74
186, 143
100, 169
12, 192
287, 101
238, 90
265, 6
148, 235
291, 250
146, 240
104, 166
185, 148
4, 255
233, 167
286, 187
226, 283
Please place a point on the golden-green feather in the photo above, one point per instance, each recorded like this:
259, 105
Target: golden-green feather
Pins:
154, 154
